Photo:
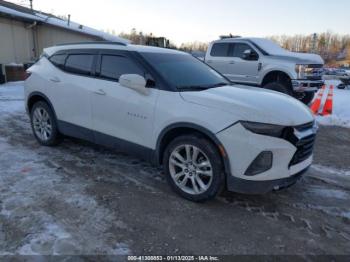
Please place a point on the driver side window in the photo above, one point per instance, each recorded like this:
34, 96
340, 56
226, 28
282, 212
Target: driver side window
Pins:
113, 66
238, 49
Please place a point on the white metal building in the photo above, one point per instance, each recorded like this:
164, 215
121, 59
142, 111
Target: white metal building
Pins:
25, 32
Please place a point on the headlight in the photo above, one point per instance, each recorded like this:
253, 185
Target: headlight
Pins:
264, 129
301, 70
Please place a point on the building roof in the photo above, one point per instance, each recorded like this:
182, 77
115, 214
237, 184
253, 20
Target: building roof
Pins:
22, 13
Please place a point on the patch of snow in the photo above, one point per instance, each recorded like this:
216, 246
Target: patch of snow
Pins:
333, 211
346, 214
14, 64
12, 91
341, 107
11, 98
42, 243
122, 249
329, 170
329, 193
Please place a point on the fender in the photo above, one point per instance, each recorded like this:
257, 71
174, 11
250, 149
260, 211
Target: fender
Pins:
198, 128
271, 69
47, 100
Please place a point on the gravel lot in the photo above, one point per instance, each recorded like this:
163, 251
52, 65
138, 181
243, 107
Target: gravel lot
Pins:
81, 199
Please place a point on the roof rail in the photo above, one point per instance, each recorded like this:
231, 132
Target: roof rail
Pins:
94, 43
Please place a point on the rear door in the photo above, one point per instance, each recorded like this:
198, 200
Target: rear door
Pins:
71, 88
121, 114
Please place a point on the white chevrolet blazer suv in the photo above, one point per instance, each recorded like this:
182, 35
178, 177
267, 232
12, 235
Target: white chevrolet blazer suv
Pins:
173, 110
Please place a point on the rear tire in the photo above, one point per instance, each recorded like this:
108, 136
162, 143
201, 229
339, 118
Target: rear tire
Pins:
44, 124
193, 168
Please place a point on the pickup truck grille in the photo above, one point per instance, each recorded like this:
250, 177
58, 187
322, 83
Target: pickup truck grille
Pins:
314, 77
304, 145
314, 72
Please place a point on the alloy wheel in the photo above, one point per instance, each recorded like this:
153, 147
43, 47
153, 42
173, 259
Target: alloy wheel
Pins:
190, 169
42, 124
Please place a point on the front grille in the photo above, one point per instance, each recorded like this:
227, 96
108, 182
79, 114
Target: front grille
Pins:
304, 145
305, 148
305, 127
314, 72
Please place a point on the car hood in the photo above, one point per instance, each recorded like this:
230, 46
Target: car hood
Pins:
299, 58
253, 104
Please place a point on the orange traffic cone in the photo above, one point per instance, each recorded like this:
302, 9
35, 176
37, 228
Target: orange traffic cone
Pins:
317, 103
328, 106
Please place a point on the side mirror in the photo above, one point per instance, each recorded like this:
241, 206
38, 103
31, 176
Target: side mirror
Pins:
133, 81
250, 55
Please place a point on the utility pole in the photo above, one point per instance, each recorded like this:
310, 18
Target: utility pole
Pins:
314, 42
31, 4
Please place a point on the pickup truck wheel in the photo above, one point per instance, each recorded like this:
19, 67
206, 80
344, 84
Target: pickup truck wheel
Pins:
279, 87
193, 168
307, 97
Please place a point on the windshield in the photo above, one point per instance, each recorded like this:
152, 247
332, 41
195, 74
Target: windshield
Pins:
184, 71
270, 46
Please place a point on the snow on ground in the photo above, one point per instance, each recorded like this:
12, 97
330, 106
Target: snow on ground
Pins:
341, 107
329, 170
28, 184
11, 92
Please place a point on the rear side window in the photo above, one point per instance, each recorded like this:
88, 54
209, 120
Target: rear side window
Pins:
58, 60
113, 66
79, 64
220, 50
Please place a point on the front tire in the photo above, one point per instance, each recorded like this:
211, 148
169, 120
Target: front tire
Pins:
44, 124
285, 88
279, 87
307, 97
193, 168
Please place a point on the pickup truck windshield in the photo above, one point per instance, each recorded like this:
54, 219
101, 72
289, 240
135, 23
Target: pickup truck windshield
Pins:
185, 72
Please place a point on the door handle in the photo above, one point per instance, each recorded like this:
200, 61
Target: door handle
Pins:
100, 92
55, 79
209, 61
232, 62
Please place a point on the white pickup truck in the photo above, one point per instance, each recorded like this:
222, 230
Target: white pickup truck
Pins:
261, 62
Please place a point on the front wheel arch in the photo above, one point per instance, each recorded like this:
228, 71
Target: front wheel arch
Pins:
175, 130
276, 76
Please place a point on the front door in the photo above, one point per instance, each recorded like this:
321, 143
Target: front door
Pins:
220, 60
121, 115
243, 69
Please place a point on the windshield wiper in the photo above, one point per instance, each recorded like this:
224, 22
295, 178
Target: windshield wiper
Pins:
220, 84
199, 87
192, 88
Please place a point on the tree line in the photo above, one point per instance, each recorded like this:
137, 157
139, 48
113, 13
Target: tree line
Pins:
330, 46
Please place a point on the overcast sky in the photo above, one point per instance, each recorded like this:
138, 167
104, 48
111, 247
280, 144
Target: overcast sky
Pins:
204, 20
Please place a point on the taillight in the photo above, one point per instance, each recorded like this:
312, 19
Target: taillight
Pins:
27, 75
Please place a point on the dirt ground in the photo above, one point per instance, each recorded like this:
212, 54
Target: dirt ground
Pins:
81, 199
